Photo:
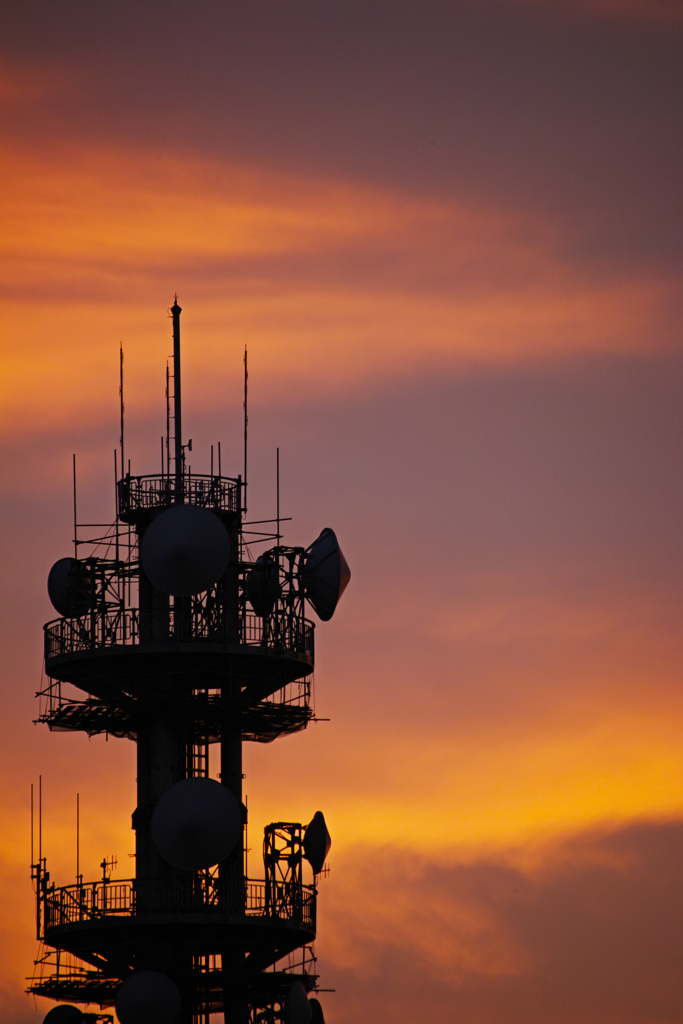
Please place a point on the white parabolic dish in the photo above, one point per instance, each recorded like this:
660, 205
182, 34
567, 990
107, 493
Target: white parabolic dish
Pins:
185, 550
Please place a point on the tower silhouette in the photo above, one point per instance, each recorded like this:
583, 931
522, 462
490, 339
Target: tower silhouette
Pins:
172, 634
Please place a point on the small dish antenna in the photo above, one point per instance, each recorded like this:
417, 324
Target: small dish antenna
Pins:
317, 842
297, 1007
196, 823
326, 574
64, 1014
69, 587
263, 585
185, 550
316, 1012
148, 997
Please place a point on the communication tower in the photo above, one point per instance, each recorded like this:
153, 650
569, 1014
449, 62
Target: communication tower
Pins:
173, 635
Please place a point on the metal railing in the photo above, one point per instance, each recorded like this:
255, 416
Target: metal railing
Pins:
139, 493
117, 627
202, 893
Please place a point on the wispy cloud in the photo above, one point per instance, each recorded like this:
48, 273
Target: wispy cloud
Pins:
330, 281
588, 930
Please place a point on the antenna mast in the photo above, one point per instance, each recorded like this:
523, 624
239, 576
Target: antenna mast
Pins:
75, 510
246, 423
123, 464
78, 838
177, 412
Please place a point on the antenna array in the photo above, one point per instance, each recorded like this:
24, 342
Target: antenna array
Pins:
167, 635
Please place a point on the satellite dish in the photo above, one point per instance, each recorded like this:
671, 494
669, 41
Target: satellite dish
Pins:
317, 842
147, 997
69, 586
185, 550
196, 824
297, 1007
326, 574
263, 585
316, 1012
64, 1015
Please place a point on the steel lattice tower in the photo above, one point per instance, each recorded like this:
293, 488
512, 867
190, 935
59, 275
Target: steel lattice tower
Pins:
176, 674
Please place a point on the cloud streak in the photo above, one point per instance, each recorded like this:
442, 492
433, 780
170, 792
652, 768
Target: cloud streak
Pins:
282, 263
587, 931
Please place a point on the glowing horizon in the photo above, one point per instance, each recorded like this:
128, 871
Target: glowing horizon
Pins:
450, 239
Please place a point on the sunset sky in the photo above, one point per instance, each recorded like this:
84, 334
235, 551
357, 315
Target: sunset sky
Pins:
450, 233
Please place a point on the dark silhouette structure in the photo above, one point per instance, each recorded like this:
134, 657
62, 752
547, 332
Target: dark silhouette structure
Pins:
148, 648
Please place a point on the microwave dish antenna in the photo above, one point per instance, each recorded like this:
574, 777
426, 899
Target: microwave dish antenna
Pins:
148, 997
317, 842
326, 574
196, 824
317, 1016
64, 1014
263, 585
69, 588
297, 1007
185, 550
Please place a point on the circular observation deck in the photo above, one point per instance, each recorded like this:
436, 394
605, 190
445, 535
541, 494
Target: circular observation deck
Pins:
140, 498
117, 920
114, 650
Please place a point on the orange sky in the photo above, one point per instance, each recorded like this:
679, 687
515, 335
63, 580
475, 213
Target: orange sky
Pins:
450, 237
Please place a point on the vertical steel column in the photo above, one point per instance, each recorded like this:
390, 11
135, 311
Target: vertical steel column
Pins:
158, 744
235, 1004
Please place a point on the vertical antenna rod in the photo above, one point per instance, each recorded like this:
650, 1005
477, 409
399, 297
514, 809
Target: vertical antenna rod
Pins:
246, 424
116, 502
123, 464
277, 488
75, 515
177, 414
78, 837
